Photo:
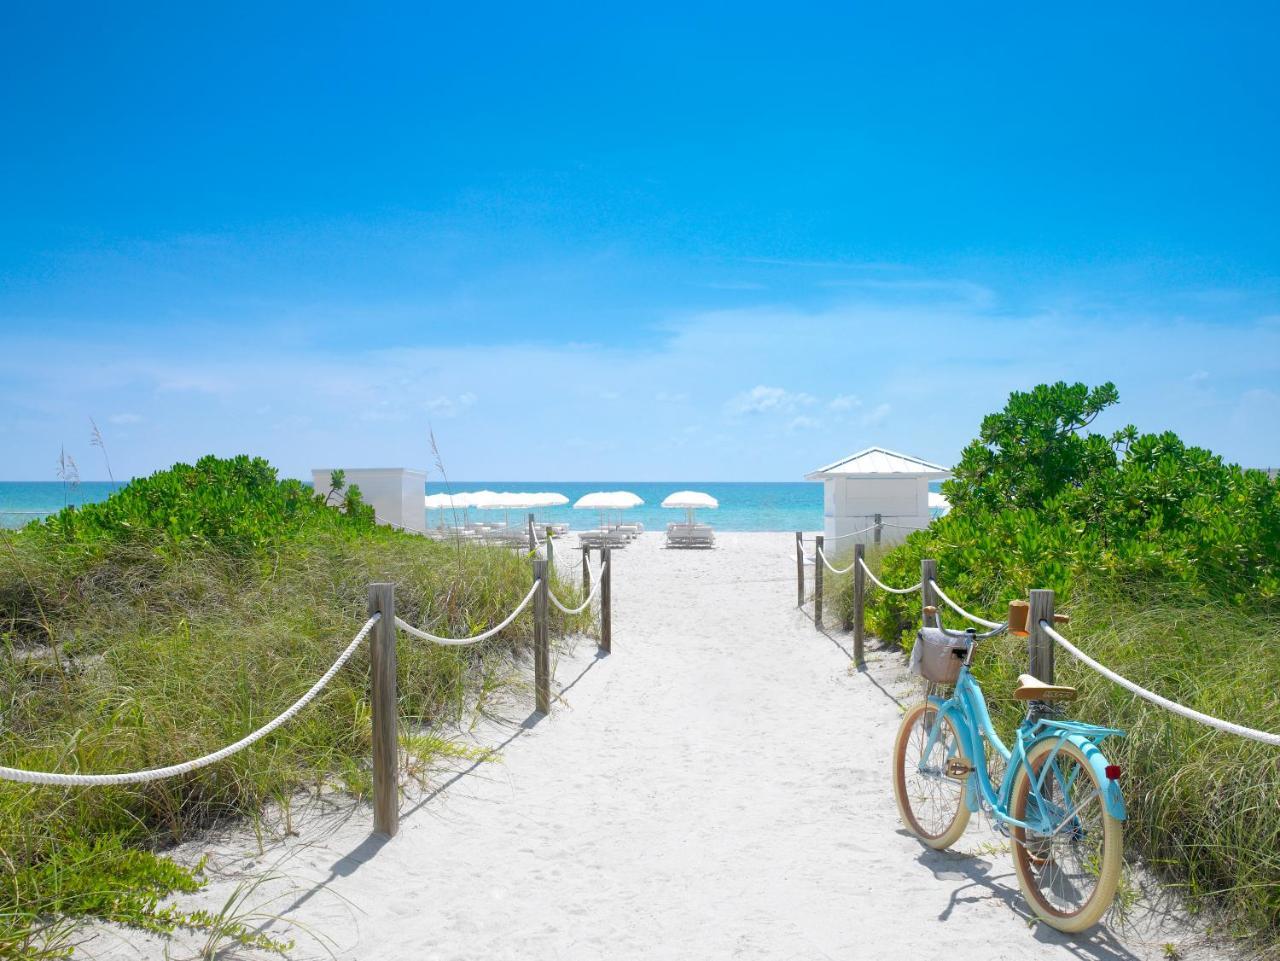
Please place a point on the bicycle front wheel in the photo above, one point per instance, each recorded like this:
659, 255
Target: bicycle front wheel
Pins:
1070, 873
931, 803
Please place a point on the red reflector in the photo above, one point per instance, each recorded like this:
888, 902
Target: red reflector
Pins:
1113, 772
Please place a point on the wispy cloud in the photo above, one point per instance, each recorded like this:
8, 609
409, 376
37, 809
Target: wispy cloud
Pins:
445, 406
843, 402
877, 415
762, 399
770, 387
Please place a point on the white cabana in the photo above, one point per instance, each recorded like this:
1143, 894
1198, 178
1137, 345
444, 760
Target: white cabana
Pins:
875, 483
690, 501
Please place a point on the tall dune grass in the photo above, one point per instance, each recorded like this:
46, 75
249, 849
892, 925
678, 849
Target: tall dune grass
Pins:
1204, 806
123, 655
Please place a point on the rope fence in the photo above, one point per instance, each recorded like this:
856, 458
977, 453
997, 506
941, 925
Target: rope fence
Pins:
422, 635
172, 770
380, 630
1040, 618
1172, 706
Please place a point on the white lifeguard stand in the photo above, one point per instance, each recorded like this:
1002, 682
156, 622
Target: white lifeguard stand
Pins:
395, 493
872, 482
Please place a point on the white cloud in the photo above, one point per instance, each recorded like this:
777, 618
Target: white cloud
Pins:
876, 415
446, 406
762, 399
844, 402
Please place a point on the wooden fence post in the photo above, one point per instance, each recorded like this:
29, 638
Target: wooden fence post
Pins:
533, 541
586, 570
551, 551
382, 676
1039, 643
541, 643
928, 572
606, 601
879, 528
859, 599
817, 581
799, 569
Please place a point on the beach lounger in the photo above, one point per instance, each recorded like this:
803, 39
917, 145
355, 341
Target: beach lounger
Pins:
687, 535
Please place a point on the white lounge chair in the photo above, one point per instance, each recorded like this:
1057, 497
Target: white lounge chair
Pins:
690, 535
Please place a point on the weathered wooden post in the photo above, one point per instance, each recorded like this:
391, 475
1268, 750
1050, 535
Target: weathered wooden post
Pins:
586, 570
551, 550
799, 569
817, 580
859, 599
541, 642
533, 540
606, 601
1039, 643
382, 677
879, 528
928, 574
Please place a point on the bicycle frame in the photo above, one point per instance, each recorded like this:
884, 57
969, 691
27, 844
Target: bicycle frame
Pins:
967, 711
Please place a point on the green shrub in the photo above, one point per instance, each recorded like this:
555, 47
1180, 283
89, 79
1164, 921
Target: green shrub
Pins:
1168, 560
168, 622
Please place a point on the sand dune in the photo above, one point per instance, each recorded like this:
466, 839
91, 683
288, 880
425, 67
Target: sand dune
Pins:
717, 788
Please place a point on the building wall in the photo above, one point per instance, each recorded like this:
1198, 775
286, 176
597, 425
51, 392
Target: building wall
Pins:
851, 503
395, 493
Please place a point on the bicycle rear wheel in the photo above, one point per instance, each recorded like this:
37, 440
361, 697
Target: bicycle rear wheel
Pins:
1069, 875
930, 803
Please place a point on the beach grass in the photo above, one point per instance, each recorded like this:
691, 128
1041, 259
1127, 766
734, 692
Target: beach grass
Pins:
1204, 806
147, 651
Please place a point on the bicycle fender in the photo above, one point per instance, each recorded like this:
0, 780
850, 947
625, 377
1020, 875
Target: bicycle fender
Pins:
1112, 798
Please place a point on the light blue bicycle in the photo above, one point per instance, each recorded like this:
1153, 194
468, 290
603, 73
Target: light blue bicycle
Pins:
1058, 799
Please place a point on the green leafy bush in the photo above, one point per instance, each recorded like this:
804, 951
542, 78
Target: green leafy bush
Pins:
190, 608
1169, 561
236, 505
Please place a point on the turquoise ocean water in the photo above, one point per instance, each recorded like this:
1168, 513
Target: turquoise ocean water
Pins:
744, 506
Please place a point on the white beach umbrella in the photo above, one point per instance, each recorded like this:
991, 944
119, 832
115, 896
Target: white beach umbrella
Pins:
691, 501
939, 503
607, 501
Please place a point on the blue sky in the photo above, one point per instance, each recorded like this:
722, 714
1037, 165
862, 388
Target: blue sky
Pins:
628, 244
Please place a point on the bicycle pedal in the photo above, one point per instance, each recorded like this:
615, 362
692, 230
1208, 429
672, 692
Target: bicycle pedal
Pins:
958, 769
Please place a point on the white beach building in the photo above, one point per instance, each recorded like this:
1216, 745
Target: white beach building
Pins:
395, 493
875, 482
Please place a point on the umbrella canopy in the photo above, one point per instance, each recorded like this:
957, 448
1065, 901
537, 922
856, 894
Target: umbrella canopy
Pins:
691, 500
939, 503
607, 501
446, 502
551, 499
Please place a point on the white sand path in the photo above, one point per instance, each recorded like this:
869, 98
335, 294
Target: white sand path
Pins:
717, 788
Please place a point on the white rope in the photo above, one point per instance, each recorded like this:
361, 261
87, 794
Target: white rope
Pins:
1163, 702
865, 530
833, 570
883, 586
590, 597
960, 610
462, 641
156, 774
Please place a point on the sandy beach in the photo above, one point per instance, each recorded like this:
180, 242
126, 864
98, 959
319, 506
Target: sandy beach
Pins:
718, 787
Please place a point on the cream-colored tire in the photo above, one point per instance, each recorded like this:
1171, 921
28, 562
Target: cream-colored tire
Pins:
931, 804
1070, 878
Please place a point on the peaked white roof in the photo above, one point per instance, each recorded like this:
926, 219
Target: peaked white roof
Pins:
877, 462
